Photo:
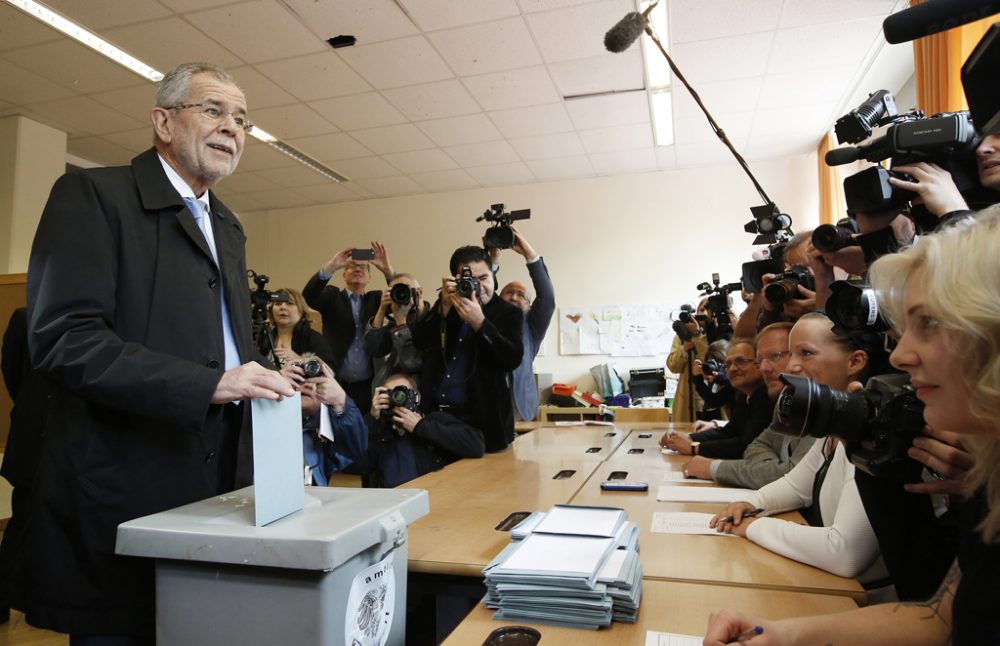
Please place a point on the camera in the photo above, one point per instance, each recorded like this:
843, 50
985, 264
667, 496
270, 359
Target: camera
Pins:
468, 285
828, 238
853, 309
711, 367
401, 397
402, 294
773, 262
311, 368
500, 235
785, 285
261, 299
684, 317
719, 325
878, 424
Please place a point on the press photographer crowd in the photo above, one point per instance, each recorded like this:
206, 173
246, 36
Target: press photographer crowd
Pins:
860, 385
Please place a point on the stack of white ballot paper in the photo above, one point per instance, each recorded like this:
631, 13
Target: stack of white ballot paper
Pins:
571, 566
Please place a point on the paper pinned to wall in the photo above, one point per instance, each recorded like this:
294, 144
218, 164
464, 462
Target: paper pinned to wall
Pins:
636, 330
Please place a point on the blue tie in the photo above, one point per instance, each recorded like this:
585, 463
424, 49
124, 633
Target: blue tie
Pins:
197, 209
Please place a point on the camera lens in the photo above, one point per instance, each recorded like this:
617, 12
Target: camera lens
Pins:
829, 237
399, 395
854, 308
400, 294
312, 368
807, 408
782, 290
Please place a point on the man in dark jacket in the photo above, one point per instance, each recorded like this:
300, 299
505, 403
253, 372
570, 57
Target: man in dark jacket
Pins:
346, 313
471, 340
138, 313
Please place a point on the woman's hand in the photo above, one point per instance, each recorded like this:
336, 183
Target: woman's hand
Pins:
943, 453
732, 517
730, 627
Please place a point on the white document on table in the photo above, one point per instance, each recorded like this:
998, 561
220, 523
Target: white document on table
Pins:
558, 554
656, 638
678, 476
277, 458
665, 451
683, 522
680, 493
581, 521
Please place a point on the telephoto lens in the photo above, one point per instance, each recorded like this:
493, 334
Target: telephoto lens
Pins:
401, 294
785, 286
828, 238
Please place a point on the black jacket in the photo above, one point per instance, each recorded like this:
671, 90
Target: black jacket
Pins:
334, 304
305, 339
498, 349
751, 415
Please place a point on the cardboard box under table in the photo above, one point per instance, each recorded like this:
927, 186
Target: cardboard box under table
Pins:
330, 573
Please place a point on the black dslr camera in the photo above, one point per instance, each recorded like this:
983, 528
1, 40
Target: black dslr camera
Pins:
785, 285
401, 397
500, 235
311, 368
878, 424
402, 294
711, 367
468, 285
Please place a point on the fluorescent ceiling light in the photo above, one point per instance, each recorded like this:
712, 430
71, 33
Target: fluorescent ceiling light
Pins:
658, 76
662, 111
82, 35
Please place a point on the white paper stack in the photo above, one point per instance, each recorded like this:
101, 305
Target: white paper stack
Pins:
576, 566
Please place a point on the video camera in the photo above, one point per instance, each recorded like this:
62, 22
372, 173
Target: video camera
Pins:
719, 326
500, 235
261, 299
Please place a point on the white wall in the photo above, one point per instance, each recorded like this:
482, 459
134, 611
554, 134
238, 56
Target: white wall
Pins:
634, 239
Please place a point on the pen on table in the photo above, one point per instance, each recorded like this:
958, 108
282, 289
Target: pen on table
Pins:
749, 514
747, 635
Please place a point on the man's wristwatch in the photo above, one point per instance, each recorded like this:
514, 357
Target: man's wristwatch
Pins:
694, 447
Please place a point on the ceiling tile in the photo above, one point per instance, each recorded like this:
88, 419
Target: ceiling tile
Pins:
17, 29
257, 31
609, 110
696, 130
316, 76
759, 148
82, 116
293, 176
700, 62
159, 43
482, 154
259, 156
535, 120
533, 6
73, 66
811, 12
445, 180
623, 162
794, 89
604, 140
135, 141
492, 47
99, 14
453, 131
502, 174
433, 100
666, 157
283, 198
697, 155
701, 20
818, 46
20, 87
431, 15
722, 97
395, 63
621, 72
562, 167
330, 193
261, 92
365, 168
393, 139
790, 122
564, 144
577, 32
513, 88
358, 111
182, 6
329, 148
241, 203
287, 121
420, 161
391, 186
99, 151
136, 102
244, 181
370, 21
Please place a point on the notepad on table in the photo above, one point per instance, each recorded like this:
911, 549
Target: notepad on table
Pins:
578, 520
683, 522
678, 476
680, 493
657, 638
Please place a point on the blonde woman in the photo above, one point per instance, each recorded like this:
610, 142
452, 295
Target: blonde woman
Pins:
943, 298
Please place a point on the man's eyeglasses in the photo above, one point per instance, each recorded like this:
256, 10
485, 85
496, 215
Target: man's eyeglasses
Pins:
214, 113
739, 362
772, 358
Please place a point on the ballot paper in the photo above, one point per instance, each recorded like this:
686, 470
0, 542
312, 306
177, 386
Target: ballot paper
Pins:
277, 458
580, 520
683, 522
680, 493
656, 638
571, 555
679, 477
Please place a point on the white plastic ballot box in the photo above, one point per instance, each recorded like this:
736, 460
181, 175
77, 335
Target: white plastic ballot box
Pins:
333, 573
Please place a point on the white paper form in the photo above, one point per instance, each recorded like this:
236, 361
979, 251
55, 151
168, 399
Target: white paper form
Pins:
665, 451
656, 638
277, 458
558, 554
581, 521
680, 493
683, 522
678, 476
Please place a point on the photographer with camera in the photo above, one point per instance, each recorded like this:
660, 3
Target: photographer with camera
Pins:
751, 411
689, 342
293, 336
471, 340
318, 391
771, 455
948, 326
346, 311
387, 335
839, 539
789, 304
537, 316
713, 386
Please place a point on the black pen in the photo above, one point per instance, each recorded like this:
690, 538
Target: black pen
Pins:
749, 514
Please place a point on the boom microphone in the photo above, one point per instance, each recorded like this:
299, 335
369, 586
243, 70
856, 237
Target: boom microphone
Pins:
933, 16
627, 30
845, 155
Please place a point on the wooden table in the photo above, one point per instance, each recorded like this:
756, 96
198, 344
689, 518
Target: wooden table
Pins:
666, 607
642, 447
705, 559
577, 442
469, 498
